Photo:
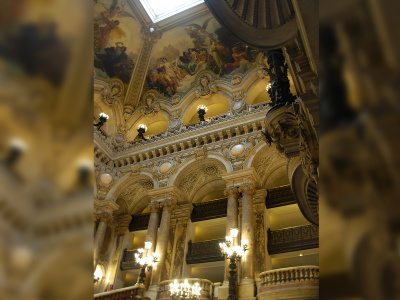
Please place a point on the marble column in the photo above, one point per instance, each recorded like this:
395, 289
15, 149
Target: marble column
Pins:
162, 241
247, 233
231, 220
120, 231
152, 228
100, 234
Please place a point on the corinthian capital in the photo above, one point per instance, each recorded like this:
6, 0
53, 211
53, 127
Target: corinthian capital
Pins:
231, 191
154, 206
247, 188
169, 204
103, 216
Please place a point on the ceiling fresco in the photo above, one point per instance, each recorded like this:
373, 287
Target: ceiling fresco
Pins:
117, 40
184, 51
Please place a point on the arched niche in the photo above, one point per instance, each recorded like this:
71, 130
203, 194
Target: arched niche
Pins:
196, 179
266, 161
216, 104
210, 191
156, 124
277, 177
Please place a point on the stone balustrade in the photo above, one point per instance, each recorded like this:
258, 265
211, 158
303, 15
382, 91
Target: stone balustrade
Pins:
120, 294
219, 129
206, 287
290, 283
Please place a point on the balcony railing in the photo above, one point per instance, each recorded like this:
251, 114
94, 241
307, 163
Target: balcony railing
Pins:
293, 239
206, 287
209, 122
128, 260
204, 251
290, 283
210, 210
139, 222
280, 196
120, 294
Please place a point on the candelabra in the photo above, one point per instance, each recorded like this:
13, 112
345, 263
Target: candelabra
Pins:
145, 260
233, 252
184, 290
102, 119
201, 110
141, 129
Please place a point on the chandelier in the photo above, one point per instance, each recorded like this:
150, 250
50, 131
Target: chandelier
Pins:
184, 290
230, 249
145, 260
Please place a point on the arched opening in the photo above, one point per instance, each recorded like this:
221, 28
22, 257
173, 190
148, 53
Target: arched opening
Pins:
155, 125
216, 105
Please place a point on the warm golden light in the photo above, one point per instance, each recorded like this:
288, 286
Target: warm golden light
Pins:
202, 107
98, 273
147, 245
142, 126
234, 232
103, 115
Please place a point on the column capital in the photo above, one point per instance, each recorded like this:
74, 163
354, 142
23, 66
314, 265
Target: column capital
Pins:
168, 204
106, 205
232, 190
165, 193
247, 188
103, 216
123, 220
154, 206
241, 177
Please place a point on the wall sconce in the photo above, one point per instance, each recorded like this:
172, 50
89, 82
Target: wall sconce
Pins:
268, 86
98, 274
17, 147
142, 129
103, 118
201, 110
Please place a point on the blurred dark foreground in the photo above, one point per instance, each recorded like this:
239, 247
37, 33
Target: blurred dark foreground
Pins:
46, 149
359, 149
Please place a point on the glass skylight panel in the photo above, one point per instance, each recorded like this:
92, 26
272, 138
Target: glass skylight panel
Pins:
161, 9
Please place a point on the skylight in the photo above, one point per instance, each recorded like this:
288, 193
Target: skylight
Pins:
161, 9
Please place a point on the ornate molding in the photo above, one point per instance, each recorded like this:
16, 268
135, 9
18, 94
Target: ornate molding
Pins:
149, 103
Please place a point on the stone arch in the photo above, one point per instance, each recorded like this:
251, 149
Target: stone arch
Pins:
265, 160
127, 180
183, 166
216, 102
195, 174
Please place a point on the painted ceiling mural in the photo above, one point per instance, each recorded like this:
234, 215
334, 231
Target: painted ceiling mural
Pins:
184, 51
116, 42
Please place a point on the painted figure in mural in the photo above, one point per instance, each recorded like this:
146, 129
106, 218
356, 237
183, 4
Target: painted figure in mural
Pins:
198, 34
111, 61
240, 57
165, 81
115, 62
